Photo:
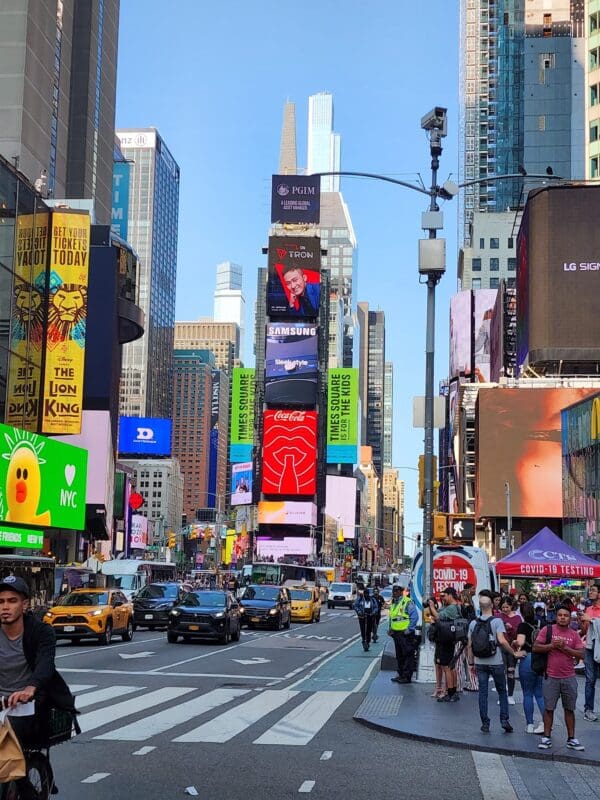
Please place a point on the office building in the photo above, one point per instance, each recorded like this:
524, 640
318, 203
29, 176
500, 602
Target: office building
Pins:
592, 90
152, 225
221, 338
160, 482
370, 539
287, 150
393, 516
323, 143
492, 253
57, 103
229, 301
388, 414
371, 372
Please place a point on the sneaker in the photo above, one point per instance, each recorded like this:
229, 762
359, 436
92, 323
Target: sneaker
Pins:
540, 728
508, 728
511, 701
546, 743
590, 716
529, 728
449, 698
485, 727
574, 744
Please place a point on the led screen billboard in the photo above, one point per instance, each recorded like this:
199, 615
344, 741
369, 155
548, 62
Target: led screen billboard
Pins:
144, 436
342, 416
291, 363
294, 277
267, 546
295, 199
340, 503
138, 538
289, 453
460, 334
241, 430
558, 269
287, 512
519, 442
241, 484
483, 309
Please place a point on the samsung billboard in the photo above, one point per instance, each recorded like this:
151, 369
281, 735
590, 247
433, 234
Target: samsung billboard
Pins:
291, 363
144, 436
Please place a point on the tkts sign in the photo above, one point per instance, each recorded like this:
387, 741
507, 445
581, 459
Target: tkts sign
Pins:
289, 453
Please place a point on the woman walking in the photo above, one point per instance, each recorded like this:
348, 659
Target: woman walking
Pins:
512, 620
365, 609
531, 684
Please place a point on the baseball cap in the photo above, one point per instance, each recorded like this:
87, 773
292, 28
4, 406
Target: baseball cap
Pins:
12, 583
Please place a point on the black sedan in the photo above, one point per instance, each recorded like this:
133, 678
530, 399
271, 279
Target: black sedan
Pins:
268, 606
205, 614
152, 604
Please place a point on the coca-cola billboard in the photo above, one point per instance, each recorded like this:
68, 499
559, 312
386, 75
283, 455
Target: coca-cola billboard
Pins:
289, 462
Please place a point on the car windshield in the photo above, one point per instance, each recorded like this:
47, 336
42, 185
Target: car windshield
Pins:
123, 581
156, 591
300, 594
261, 593
210, 599
85, 599
340, 587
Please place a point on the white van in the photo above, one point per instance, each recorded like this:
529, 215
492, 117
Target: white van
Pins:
341, 594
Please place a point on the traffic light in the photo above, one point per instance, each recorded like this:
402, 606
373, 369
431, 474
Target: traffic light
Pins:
440, 526
172, 541
436, 483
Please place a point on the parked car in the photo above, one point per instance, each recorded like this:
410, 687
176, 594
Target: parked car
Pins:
306, 604
205, 614
92, 614
268, 606
152, 604
341, 594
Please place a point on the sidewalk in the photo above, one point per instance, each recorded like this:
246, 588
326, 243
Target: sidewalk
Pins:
409, 711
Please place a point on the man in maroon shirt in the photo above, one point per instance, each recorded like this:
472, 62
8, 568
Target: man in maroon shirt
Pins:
560, 680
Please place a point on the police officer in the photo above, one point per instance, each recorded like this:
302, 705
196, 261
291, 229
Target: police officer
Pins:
403, 620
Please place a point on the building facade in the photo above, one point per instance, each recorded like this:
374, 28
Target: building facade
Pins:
372, 381
57, 105
221, 338
160, 482
393, 516
492, 253
388, 414
229, 301
152, 230
323, 144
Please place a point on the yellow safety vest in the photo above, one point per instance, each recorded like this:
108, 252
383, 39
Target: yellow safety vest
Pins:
399, 618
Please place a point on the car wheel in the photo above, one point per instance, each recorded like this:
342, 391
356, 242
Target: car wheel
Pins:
287, 624
128, 635
134, 626
235, 637
172, 637
107, 635
329, 605
224, 637
250, 626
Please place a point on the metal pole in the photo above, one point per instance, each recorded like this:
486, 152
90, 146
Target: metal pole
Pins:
508, 515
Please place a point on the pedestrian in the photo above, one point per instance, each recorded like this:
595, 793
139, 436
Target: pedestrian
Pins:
531, 683
590, 627
379, 604
486, 641
403, 621
466, 677
560, 680
512, 620
496, 600
444, 651
523, 598
365, 607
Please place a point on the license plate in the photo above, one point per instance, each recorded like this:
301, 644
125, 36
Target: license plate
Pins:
194, 627
148, 616
255, 619
69, 628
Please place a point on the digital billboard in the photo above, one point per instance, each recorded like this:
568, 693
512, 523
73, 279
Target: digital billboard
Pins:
120, 198
66, 323
557, 276
340, 503
144, 436
291, 363
460, 334
42, 481
294, 276
21, 538
241, 429
287, 512
295, 199
267, 546
138, 538
289, 453
342, 416
519, 442
483, 309
497, 336
241, 484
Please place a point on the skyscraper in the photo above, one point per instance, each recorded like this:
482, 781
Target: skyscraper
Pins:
147, 374
372, 381
57, 104
323, 143
221, 338
287, 150
229, 301
388, 414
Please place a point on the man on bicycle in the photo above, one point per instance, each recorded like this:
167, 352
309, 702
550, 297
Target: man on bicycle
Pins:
29, 682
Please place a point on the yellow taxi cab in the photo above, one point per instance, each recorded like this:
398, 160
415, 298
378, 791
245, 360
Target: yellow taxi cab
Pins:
92, 614
306, 604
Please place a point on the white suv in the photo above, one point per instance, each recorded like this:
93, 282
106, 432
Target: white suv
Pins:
341, 594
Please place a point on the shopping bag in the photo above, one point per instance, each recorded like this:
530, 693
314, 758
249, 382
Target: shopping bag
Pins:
12, 760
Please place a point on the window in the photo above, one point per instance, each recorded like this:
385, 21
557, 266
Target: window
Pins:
494, 264
512, 264
594, 131
594, 167
511, 282
482, 244
494, 243
594, 95
494, 283
476, 283
593, 58
542, 122
476, 265
511, 243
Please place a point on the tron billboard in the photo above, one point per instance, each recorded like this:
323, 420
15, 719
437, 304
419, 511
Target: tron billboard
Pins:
289, 465
291, 363
294, 277
144, 436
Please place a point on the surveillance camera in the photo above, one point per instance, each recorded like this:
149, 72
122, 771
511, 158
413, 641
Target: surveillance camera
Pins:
436, 120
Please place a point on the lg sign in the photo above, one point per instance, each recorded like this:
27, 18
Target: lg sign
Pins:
144, 436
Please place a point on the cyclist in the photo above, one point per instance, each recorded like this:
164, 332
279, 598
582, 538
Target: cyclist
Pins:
29, 682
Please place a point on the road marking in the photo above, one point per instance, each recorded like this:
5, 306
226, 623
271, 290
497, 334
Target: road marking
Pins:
366, 675
226, 726
143, 751
97, 776
153, 674
306, 787
144, 654
326, 755
96, 719
81, 687
305, 721
493, 778
158, 723
103, 648
351, 641
252, 660
100, 695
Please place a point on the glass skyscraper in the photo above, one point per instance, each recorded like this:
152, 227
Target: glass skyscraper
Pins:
323, 143
147, 374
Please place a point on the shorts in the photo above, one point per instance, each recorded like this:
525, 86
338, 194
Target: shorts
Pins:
563, 688
444, 653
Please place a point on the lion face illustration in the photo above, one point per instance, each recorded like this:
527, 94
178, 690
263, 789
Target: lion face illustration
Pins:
28, 314
66, 311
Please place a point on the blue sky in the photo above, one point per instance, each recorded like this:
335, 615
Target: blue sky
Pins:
213, 78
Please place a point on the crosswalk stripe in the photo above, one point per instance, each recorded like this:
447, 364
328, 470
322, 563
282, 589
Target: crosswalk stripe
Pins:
305, 721
81, 687
150, 726
226, 726
96, 719
100, 695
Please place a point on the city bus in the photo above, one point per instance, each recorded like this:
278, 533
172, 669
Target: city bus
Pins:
37, 571
131, 574
278, 574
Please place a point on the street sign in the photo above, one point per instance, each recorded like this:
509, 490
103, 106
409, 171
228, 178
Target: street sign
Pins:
461, 528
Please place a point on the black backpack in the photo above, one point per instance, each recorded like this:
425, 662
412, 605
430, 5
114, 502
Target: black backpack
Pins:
483, 640
539, 661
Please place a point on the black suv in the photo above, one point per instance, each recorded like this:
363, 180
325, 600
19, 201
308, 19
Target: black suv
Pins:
268, 606
205, 614
152, 604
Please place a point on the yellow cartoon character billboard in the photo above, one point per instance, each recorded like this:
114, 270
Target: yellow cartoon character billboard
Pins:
24, 480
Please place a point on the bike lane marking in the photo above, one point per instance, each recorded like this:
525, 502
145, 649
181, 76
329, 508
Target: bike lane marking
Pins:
97, 776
